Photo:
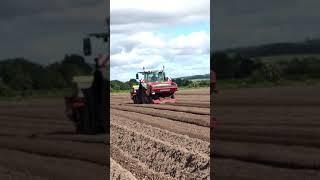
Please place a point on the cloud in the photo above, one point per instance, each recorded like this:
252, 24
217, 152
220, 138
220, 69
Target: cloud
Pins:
144, 32
131, 16
11, 9
154, 33
244, 23
193, 43
44, 31
162, 7
153, 50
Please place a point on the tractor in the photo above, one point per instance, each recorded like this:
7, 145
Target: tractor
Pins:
153, 88
87, 106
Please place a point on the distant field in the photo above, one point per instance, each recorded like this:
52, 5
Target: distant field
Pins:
31, 94
288, 57
207, 79
243, 83
180, 88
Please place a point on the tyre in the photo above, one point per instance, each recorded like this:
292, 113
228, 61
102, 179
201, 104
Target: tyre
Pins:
82, 120
145, 98
135, 100
139, 97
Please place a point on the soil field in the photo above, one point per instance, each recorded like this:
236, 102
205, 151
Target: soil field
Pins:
167, 141
261, 134
148, 141
38, 142
267, 133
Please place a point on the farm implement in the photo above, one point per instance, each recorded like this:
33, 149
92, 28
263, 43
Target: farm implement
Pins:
154, 88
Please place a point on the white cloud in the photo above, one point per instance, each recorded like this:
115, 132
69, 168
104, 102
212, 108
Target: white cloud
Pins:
136, 39
153, 51
148, 39
141, 15
195, 42
163, 6
239, 25
46, 31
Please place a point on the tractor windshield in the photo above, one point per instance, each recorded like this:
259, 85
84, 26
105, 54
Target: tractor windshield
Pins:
155, 77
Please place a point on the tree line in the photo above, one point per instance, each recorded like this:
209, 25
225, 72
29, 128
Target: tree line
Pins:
116, 85
309, 46
302, 62
237, 66
22, 76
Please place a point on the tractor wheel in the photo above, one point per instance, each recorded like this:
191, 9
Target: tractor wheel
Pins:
135, 100
76, 115
139, 97
146, 99
82, 117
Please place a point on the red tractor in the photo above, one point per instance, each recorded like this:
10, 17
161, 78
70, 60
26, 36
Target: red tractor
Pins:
154, 88
87, 106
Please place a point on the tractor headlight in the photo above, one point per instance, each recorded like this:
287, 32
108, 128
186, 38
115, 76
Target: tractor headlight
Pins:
153, 93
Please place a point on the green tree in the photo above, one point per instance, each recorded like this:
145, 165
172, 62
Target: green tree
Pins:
133, 82
268, 72
71, 65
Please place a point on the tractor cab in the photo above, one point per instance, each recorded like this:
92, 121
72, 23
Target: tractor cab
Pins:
153, 76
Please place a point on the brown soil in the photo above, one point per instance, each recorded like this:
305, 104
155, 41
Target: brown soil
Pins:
38, 142
167, 141
195, 110
267, 133
170, 125
201, 120
118, 172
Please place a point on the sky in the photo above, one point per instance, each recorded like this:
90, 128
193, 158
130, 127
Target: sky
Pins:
253, 22
44, 31
152, 34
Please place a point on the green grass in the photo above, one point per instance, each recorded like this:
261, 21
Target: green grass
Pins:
196, 80
120, 91
35, 94
287, 57
245, 83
